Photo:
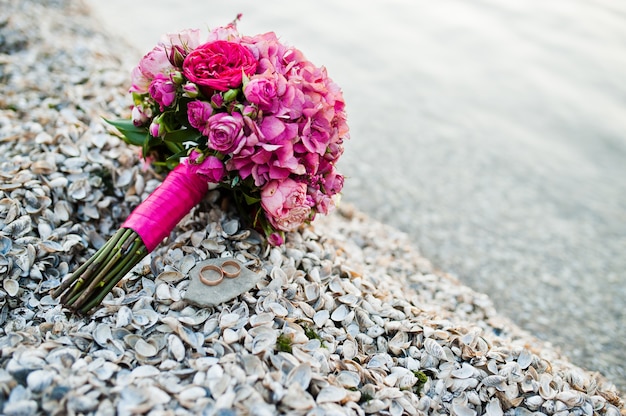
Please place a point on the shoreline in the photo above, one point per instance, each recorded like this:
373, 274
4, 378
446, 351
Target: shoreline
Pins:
55, 148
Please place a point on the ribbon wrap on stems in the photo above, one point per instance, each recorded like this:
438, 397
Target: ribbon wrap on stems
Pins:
155, 218
144, 229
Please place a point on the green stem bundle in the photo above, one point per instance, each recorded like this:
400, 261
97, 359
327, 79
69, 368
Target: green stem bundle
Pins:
91, 282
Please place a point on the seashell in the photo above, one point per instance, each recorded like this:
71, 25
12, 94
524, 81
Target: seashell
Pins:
264, 340
349, 349
145, 349
197, 318
462, 410
124, 317
5, 245
11, 287
175, 347
374, 406
43, 167
144, 371
19, 227
301, 375
230, 336
321, 317
278, 310
493, 380
229, 320
433, 348
545, 387
525, 359
533, 402
124, 178
375, 331
349, 379
571, 398
349, 299
331, 394
102, 334
145, 318
340, 313
230, 227
79, 189
20, 407
382, 361
38, 380
399, 343
494, 408
466, 371
312, 291
253, 366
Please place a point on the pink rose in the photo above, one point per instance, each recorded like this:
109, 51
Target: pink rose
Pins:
332, 182
210, 167
275, 239
156, 129
226, 132
198, 114
263, 92
219, 65
228, 32
285, 203
177, 45
154, 62
140, 115
163, 90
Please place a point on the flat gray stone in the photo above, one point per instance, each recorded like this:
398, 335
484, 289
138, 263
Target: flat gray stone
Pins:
206, 296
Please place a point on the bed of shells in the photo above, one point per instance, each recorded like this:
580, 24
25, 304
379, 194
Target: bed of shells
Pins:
348, 318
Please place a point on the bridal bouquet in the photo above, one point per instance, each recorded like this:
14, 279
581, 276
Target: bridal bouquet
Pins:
248, 114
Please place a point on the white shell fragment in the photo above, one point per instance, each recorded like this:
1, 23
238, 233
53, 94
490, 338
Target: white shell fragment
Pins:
346, 318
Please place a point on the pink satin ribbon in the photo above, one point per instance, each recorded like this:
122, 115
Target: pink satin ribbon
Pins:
155, 218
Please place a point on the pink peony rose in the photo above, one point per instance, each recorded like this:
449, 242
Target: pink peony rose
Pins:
226, 132
210, 167
285, 203
163, 91
219, 65
198, 114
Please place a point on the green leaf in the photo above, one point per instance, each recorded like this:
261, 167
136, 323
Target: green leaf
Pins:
132, 134
182, 135
250, 200
175, 158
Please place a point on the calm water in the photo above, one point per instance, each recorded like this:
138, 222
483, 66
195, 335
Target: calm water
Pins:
494, 134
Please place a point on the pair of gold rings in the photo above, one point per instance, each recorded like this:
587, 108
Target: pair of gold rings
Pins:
212, 275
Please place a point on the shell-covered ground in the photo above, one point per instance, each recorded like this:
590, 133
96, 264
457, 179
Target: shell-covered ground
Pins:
348, 318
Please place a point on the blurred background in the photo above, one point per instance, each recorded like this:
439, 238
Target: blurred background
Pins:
493, 133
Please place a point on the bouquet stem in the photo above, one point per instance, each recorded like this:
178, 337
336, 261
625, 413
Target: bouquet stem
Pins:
143, 230
90, 283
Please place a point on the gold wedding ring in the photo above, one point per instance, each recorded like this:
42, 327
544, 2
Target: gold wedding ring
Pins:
231, 268
211, 275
